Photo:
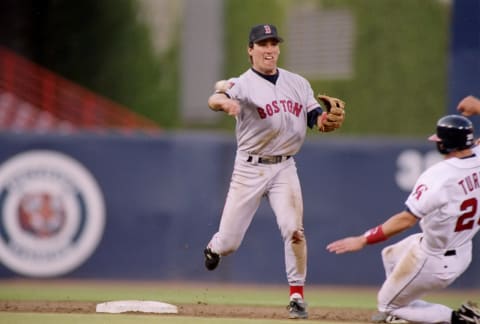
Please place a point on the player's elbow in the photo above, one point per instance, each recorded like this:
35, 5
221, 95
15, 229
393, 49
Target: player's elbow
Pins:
211, 103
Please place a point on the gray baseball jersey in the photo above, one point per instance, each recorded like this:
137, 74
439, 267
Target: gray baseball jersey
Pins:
273, 117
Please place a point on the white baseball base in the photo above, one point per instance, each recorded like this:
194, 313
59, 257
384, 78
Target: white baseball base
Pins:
142, 306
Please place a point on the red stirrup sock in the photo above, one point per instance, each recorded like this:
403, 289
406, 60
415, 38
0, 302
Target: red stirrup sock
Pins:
296, 289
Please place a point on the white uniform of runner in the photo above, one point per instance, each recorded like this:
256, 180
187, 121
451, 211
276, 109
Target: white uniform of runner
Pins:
272, 123
446, 199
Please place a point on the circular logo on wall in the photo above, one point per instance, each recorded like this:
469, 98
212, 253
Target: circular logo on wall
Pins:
52, 213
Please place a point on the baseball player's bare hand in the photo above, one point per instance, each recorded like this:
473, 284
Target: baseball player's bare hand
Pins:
469, 106
349, 244
231, 107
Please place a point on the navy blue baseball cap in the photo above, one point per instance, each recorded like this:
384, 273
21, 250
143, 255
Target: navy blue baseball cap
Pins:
262, 32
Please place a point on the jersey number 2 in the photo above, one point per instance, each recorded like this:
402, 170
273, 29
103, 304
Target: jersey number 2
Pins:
465, 221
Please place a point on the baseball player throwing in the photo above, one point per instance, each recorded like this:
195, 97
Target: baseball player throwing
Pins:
272, 108
446, 201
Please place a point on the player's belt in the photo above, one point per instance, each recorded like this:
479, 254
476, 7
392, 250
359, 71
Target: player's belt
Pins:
269, 159
450, 253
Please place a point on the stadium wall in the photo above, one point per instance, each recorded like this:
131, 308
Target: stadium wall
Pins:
137, 207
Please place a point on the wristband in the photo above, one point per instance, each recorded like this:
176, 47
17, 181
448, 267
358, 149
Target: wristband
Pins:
375, 235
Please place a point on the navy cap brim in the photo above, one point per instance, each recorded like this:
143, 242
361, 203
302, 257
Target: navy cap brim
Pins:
279, 39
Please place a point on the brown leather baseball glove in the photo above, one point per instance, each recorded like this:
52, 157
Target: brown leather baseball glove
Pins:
335, 113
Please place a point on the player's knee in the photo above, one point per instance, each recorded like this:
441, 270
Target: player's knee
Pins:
298, 236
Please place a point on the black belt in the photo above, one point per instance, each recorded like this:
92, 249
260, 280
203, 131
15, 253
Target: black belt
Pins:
270, 159
450, 253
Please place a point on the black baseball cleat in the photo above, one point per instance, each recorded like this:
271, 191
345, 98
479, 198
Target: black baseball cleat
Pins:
297, 308
467, 313
211, 259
